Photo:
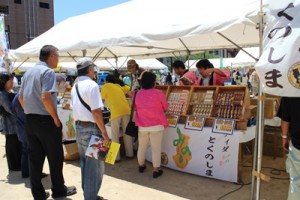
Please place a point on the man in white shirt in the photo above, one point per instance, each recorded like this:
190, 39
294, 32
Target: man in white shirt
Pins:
89, 121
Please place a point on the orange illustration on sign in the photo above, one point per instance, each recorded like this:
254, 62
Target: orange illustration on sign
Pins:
71, 131
183, 152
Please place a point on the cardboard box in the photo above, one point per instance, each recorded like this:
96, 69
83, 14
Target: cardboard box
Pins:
270, 108
241, 125
272, 142
250, 111
71, 148
269, 150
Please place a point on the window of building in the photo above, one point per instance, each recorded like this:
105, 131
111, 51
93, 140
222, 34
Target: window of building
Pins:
4, 10
44, 5
18, 1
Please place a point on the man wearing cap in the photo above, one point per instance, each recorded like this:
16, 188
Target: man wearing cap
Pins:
89, 121
43, 127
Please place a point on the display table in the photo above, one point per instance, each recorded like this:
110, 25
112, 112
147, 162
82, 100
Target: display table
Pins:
203, 153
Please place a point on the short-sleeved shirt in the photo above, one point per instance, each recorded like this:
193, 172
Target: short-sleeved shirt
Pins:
191, 76
115, 99
90, 94
36, 81
125, 89
289, 111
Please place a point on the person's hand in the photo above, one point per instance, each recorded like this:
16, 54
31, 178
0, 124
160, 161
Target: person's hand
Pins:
57, 122
105, 138
285, 144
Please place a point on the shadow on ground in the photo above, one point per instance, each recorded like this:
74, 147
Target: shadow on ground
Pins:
196, 187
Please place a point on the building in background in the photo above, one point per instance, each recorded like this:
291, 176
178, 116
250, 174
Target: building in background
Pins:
26, 19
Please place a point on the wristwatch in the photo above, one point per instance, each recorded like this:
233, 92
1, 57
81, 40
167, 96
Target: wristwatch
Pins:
284, 136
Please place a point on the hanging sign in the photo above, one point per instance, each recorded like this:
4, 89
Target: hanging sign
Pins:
279, 65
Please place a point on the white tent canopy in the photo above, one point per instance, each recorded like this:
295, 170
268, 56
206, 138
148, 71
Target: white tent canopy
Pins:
109, 64
154, 28
151, 63
242, 59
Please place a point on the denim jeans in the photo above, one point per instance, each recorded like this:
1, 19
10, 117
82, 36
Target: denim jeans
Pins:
92, 170
293, 168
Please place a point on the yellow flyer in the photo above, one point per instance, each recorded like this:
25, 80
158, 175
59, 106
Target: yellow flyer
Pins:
112, 153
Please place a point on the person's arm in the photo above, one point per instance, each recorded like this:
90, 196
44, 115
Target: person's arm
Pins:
98, 117
47, 101
7, 105
285, 130
21, 100
217, 71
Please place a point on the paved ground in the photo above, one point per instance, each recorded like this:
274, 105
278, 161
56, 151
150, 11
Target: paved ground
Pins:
122, 181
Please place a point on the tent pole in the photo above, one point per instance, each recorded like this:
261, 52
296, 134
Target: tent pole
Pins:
257, 160
21, 64
111, 52
238, 46
124, 62
116, 60
188, 52
84, 52
71, 56
98, 54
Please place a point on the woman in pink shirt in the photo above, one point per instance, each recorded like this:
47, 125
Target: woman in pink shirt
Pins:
210, 75
150, 106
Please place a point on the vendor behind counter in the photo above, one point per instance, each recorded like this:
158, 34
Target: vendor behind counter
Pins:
210, 76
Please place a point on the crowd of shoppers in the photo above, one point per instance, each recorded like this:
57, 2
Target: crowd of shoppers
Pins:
33, 129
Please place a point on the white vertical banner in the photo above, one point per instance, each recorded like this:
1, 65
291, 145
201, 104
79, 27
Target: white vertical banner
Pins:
279, 65
3, 43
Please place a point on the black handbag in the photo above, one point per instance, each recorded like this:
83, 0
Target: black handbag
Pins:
131, 129
105, 111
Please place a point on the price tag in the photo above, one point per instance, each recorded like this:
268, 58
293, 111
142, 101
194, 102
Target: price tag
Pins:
172, 120
194, 123
225, 126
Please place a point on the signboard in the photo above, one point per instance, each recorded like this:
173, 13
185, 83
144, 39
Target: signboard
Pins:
68, 124
279, 65
172, 120
225, 126
207, 154
194, 123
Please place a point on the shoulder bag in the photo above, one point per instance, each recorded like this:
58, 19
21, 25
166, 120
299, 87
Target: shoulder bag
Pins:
105, 111
131, 129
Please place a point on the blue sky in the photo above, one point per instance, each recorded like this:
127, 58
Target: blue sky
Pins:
64, 9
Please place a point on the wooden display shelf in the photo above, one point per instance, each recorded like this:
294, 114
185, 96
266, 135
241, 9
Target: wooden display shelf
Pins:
199, 89
179, 89
66, 98
241, 122
163, 88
